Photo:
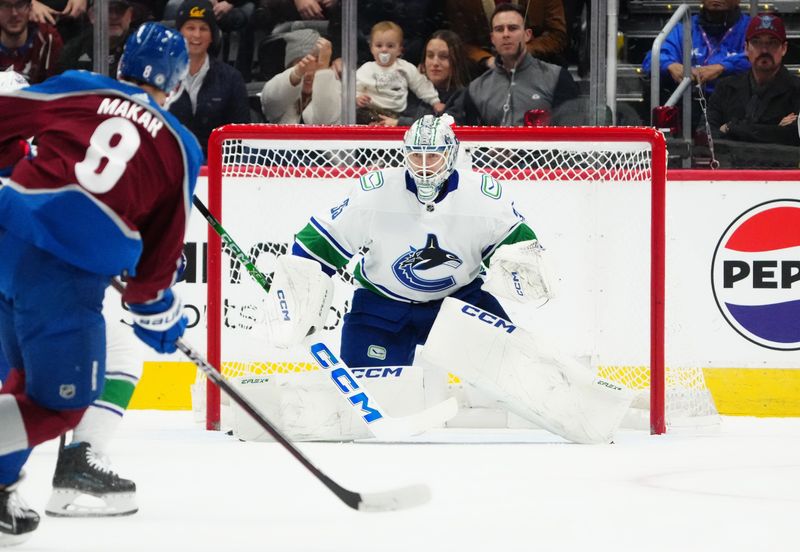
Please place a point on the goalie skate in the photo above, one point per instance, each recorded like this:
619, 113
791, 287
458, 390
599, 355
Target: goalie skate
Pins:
17, 521
85, 486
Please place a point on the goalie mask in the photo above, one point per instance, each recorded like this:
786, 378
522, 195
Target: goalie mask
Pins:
430, 148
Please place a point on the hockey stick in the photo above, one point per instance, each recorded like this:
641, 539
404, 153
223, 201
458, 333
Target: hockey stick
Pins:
385, 427
397, 499
382, 426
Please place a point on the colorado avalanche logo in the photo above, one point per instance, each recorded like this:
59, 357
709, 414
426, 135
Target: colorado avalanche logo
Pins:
755, 275
431, 256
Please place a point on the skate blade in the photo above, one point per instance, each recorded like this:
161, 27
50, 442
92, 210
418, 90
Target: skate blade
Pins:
72, 503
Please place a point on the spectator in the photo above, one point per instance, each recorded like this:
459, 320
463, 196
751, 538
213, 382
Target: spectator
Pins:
717, 47
308, 91
760, 105
471, 18
445, 65
230, 16
518, 82
67, 16
78, 52
382, 85
28, 47
214, 93
418, 19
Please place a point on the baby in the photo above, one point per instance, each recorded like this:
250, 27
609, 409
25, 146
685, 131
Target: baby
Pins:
382, 85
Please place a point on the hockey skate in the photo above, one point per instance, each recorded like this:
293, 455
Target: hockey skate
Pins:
17, 521
85, 486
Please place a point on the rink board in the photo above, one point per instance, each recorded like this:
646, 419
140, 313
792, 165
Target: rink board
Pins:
598, 237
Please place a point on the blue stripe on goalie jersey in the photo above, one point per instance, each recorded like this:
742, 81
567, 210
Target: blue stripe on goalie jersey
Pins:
299, 250
387, 292
330, 239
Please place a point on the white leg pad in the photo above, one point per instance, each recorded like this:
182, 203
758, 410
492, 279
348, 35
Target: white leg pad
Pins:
531, 379
307, 406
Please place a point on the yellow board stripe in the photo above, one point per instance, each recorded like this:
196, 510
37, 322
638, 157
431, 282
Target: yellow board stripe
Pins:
755, 392
769, 392
165, 386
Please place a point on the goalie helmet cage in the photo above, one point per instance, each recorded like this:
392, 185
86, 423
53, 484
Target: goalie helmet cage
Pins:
296, 153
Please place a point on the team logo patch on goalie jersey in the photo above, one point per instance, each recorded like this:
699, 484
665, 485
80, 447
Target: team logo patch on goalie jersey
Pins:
429, 257
755, 274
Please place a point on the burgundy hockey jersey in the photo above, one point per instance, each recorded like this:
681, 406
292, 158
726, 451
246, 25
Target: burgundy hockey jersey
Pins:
110, 189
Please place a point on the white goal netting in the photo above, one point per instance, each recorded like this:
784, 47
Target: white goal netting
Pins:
594, 196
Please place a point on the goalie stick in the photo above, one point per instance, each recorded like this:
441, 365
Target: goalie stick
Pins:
385, 501
382, 426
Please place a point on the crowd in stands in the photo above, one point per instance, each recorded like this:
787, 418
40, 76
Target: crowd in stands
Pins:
484, 62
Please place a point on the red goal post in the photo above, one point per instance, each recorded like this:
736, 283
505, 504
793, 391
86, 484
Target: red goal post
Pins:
286, 154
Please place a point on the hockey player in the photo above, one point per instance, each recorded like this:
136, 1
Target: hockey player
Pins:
108, 193
82, 467
428, 229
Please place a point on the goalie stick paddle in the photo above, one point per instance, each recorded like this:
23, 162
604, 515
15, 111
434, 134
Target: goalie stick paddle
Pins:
382, 501
382, 426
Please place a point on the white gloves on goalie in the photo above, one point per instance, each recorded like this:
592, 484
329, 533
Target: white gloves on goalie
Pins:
520, 272
298, 302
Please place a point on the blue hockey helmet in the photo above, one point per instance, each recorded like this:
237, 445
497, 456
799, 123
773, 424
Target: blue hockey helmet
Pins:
155, 55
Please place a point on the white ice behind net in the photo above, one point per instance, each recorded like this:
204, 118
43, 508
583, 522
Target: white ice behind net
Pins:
688, 399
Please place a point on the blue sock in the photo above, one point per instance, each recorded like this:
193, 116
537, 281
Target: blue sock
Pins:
11, 464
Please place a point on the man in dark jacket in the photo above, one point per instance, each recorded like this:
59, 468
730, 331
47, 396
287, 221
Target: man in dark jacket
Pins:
759, 105
518, 82
214, 92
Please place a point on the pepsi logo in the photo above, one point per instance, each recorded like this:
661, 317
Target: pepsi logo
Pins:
755, 274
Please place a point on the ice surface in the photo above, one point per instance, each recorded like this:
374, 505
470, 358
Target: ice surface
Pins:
734, 490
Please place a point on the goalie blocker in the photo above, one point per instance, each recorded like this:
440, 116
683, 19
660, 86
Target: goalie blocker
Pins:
299, 300
529, 378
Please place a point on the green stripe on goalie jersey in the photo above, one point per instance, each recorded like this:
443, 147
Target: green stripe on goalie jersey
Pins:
319, 245
359, 276
521, 233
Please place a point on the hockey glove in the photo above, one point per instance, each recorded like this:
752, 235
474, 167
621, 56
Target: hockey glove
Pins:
161, 323
520, 272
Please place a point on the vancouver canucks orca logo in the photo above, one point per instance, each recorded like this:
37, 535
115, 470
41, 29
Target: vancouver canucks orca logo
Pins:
407, 266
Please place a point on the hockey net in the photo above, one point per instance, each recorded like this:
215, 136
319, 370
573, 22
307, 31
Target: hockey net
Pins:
595, 197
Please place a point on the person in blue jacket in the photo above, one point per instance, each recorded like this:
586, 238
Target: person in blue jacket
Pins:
717, 47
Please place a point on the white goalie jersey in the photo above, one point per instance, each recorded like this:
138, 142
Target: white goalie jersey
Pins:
414, 251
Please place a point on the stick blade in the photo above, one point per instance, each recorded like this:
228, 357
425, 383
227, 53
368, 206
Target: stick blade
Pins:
398, 499
393, 429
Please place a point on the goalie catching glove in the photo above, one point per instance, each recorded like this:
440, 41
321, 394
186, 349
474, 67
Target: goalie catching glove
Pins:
160, 323
298, 301
519, 272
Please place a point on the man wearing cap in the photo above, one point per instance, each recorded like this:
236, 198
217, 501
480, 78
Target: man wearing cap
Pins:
308, 91
28, 48
761, 104
79, 51
214, 92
